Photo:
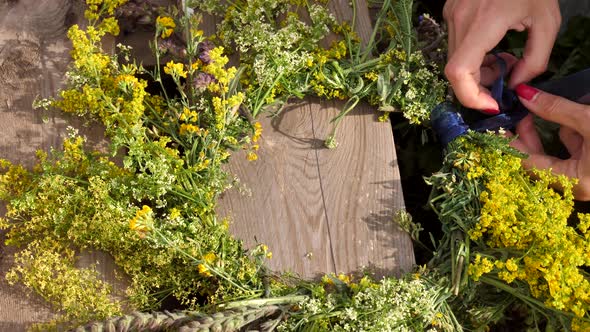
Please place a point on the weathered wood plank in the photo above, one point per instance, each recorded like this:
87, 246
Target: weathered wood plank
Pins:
362, 190
351, 215
284, 208
344, 12
25, 72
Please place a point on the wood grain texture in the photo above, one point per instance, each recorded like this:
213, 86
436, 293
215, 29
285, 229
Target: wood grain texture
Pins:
322, 210
344, 12
362, 190
281, 201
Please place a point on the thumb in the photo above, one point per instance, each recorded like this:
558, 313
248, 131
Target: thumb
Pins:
555, 109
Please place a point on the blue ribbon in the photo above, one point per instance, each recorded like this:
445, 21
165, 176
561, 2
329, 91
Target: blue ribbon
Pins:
449, 122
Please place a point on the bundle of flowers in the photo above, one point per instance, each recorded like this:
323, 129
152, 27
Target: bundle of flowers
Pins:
509, 246
510, 240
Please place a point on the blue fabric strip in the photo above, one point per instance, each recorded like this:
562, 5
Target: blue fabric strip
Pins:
448, 122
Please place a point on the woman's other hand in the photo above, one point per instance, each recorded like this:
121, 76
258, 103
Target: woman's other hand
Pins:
574, 133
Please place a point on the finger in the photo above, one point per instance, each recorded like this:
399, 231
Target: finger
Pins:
462, 70
447, 14
517, 27
465, 82
451, 41
572, 141
528, 137
541, 37
582, 191
492, 60
555, 109
491, 69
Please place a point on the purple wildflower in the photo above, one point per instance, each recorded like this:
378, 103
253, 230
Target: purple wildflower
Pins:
202, 80
204, 49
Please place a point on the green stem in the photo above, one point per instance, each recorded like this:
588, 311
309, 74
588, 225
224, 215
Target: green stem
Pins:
198, 261
370, 44
262, 302
527, 299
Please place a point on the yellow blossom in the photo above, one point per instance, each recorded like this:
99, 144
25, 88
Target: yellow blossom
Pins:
175, 69
141, 223
372, 76
257, 132
252, 156
166, 25
174, 213
203, 270
209, 258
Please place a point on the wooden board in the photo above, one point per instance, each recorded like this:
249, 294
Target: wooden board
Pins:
322, 210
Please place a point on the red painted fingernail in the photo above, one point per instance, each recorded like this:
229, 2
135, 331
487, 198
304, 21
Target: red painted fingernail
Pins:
491, 111
526, 91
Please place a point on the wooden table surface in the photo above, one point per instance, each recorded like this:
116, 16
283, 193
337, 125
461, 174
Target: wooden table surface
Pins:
318, 210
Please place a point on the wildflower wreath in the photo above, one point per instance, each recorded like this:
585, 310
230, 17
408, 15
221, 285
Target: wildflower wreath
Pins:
509, 246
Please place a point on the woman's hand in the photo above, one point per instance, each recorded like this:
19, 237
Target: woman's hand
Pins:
574, 133
477, 26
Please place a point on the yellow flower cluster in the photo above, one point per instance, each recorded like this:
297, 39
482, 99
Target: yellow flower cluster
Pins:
217, 68
528, 216
142, 222
336, 51
86, 53
165, 25
470, 163
175, 70
112, 93
14, 179
73, 149
189, 129
251, 155
318, 85
480, 266
188, 115
371, 76
96, 8
208, 260
257, 132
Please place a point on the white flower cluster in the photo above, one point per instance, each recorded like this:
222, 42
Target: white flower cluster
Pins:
420, 90
273, 48
392, 305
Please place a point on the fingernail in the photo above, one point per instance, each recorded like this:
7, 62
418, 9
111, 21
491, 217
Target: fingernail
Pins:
491, 111
527, 92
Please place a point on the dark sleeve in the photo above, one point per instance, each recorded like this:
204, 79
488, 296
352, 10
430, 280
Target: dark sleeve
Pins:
570, 8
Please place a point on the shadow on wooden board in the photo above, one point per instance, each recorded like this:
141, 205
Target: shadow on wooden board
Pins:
321, 210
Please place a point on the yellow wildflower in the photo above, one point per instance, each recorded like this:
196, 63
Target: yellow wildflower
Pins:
203, 270
344, 278
372, 76
165, 25
174, 213
188, 115
141, 223
252, 156
209, 258
175, 69
257, 132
